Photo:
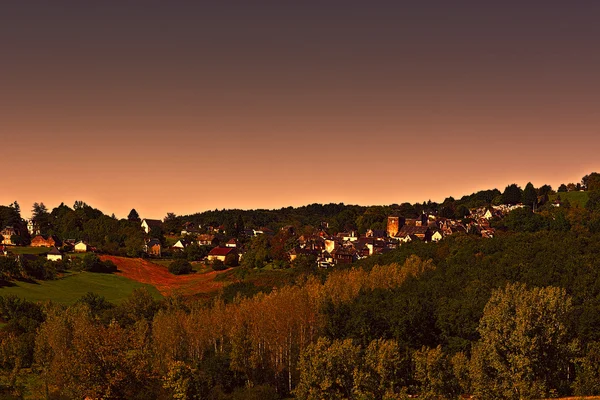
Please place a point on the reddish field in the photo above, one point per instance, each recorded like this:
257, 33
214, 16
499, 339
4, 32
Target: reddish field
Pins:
158, 276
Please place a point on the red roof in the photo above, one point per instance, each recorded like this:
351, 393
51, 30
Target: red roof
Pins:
221, 251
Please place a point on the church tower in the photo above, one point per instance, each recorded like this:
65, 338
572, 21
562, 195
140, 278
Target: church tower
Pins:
393, 225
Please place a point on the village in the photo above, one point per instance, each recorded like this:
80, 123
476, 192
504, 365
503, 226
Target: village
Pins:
328, 249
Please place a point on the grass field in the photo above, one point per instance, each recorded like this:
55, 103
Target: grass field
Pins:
577, 199
70, 288
28, 250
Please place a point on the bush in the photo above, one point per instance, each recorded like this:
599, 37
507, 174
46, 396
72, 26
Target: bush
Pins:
180, 267
92, 263
231, 260
218, 265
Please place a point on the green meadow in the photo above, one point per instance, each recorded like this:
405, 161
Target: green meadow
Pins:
71, 287
577, 199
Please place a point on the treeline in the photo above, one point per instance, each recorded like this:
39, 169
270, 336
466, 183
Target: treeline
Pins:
81, 222
124, 237
515, 316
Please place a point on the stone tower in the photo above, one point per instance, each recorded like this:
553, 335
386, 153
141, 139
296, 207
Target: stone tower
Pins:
393, 225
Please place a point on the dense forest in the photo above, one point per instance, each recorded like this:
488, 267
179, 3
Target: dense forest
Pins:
516, 316
511, 317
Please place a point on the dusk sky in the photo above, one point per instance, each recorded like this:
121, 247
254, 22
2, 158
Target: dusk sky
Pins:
181, 107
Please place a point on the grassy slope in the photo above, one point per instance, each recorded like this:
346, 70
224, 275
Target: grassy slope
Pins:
71, 287
28, 250
577, 199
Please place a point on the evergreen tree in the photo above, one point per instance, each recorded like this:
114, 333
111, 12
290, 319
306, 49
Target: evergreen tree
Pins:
512, 194
133, 216
530, 196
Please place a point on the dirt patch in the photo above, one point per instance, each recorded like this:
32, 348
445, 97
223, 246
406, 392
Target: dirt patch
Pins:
158, 276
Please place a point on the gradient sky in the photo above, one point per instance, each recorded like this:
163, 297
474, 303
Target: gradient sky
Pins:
182, 107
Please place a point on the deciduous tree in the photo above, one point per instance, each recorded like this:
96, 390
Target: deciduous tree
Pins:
524, 348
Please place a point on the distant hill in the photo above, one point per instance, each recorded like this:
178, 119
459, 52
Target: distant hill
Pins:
577, 199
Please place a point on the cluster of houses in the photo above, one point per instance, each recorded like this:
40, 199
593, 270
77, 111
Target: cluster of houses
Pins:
347, 247
50, 241
344, 247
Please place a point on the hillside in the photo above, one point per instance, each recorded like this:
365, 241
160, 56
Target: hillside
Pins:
72, 287
577, 199
159, 277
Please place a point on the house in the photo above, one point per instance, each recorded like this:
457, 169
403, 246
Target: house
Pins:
149, 224
232, 243
378, 234
33, 228
216, 229
406, 238
221, 253
7, 234
81, 247
325, 260
343, 255
248, 232
182, 244
348, 236
298, 251
436, 236
331, 244
153, 248
189, 228
54, 255
422, 232
263, 231
45, 241
206, 239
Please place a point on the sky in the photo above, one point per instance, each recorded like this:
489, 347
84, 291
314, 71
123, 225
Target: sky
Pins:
173, 106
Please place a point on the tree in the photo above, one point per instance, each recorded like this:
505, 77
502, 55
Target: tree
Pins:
327, 370
462, 211
17, 207
591, 181
545, 190
587, 382
183, 381
562, 188
218, 265
171, 223
593, 202
133, 216
92, 263
41, 217
530, 196
383, 372
524, 348
433, 371
512, 194
231, 260
180, 267
80, 357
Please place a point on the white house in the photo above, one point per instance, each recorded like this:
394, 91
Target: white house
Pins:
182, 244
81, 247
437, 236
54, 255
147, 224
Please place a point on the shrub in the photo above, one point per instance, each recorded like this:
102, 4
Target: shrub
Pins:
218, 265
180, 267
